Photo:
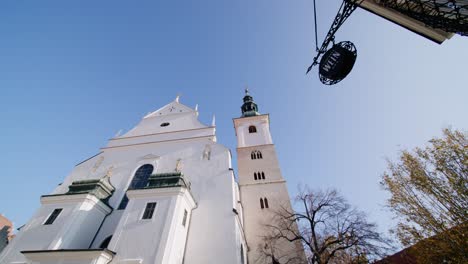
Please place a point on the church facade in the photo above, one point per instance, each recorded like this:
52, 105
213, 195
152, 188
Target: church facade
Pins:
164, 192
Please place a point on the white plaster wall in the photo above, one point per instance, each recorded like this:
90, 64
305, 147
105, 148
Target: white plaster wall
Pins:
160, 239
191, 133
268, 164
213, 235
73, 228
142, 239
80, 232
256, 218
108, 227
178, 115
175, 247
212, 184
261, 137
273, 187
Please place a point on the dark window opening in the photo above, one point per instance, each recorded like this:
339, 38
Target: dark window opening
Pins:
266, 202
106, 242
140, 180
263, 175
149, 210
255, 176
184, 220
261, 203
256, 155
165, 124
53, 216
123, 203
252, 129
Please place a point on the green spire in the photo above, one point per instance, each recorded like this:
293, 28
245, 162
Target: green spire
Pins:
249, 108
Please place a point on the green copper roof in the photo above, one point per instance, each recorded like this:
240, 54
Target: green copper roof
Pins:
166, 180
101, 188
249, 108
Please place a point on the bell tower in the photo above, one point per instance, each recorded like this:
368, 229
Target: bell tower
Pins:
262, 186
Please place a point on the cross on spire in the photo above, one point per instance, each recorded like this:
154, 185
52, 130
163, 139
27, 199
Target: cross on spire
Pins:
249, 108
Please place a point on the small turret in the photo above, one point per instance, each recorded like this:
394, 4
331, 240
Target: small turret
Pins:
249, 108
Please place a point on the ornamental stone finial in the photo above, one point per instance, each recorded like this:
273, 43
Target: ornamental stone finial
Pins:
109, 171
178, 166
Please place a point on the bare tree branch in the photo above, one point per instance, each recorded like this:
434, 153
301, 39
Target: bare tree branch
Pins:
330, 230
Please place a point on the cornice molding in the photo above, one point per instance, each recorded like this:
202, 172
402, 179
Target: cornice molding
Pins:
251, 117
254, 147
162, 192
85, 255
260, 183
75, 198
155, 134
155, 142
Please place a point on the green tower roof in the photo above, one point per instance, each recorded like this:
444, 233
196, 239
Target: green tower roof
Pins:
249, 108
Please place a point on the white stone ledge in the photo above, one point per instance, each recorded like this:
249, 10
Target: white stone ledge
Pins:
258, 183
76, 198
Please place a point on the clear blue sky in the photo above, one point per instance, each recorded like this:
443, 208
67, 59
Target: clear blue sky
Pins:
73, 73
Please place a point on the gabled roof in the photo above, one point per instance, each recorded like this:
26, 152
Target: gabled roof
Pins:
173, 117
172, 108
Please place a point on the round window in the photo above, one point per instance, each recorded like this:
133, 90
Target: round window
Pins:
165, 124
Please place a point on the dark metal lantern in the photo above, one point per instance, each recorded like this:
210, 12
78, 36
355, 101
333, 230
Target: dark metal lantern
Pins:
337, 62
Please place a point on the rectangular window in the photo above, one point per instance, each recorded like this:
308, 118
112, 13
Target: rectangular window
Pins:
53, 216
184, 220
149, 210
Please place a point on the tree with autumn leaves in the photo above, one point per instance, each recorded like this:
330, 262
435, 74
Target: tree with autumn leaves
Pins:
428, 193
429, 196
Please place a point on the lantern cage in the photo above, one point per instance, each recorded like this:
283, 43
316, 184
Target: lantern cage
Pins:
447, 15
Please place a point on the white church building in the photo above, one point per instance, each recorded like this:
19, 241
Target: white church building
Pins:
164, 192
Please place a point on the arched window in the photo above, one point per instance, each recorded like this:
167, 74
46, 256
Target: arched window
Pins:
256, 154
105, 242
266, 202
140, 180
263, 175
261, 203
252, 129
255, 176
